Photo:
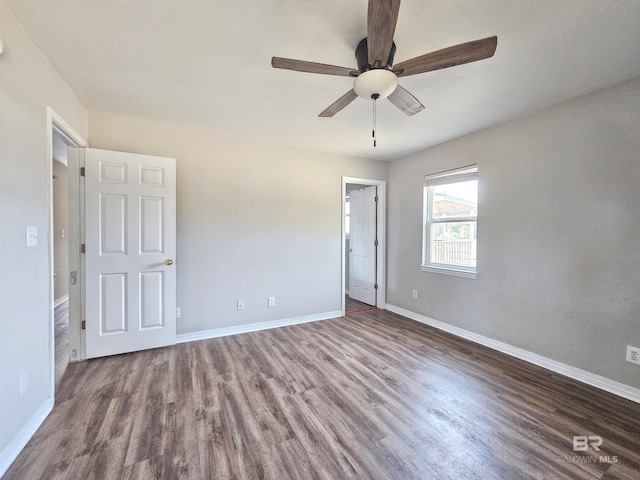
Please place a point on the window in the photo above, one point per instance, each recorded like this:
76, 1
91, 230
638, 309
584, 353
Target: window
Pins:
450, 222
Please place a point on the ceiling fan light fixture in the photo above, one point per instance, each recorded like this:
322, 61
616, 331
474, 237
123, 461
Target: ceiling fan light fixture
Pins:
377, 74
377, 81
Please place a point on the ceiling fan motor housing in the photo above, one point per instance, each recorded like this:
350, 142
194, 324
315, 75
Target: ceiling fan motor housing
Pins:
362, 56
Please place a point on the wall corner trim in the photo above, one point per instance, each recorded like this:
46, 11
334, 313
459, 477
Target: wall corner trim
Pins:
254, 327
603, 383
13, 449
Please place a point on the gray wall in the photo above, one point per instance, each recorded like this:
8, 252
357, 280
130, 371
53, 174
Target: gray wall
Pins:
28, 84
253, 219
558, 226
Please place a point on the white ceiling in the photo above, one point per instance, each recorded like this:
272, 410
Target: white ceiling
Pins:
207, 63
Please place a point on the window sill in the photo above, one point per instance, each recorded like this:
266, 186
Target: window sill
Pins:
449, 271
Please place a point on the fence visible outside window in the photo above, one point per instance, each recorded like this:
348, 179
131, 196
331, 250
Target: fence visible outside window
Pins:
450, 222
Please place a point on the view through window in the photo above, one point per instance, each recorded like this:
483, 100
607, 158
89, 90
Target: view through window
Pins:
451, 219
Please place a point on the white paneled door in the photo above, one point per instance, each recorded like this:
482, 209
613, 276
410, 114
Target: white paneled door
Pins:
362, 245
130, 247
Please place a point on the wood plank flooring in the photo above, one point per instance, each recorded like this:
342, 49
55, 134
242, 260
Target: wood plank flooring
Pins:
372, 395
61, 335
352, 306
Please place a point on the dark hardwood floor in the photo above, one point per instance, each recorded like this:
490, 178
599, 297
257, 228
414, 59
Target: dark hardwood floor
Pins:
370, 395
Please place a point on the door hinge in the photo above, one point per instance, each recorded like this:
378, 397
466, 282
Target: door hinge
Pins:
376, 243
83, 248
82, 171
375, 286
376, 198
83, 325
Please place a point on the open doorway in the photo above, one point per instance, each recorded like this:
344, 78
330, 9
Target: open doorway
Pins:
60, 180
360, 220
363, 244
63, 245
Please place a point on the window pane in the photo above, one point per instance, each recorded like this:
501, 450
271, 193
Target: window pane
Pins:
455, 200
450, 212
454, 243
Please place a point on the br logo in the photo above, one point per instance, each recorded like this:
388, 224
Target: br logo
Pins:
582, 443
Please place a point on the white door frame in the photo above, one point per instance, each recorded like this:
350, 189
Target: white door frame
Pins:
55, 123
381, 232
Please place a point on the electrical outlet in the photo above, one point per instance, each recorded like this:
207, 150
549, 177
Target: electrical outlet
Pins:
633, 354
272, 302
415, 294
178, 312
240, 305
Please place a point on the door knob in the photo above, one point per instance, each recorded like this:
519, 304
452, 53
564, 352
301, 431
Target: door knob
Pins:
168, 261
350, 250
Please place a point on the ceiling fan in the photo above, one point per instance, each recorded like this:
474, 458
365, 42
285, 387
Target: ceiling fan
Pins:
377, 76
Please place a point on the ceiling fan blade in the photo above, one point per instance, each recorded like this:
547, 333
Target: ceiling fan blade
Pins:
405, 101
382, 16
312, 67
339, 104
448, 57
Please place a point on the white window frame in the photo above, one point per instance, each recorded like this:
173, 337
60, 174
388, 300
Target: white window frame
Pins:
451, 176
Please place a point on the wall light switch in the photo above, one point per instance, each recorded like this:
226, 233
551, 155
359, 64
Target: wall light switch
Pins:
32, 236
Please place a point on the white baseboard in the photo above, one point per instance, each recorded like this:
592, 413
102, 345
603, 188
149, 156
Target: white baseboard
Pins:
603, 383
254, 327
11, 452
61, 300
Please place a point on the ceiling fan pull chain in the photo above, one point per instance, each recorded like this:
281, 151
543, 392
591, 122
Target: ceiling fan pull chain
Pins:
373, 131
